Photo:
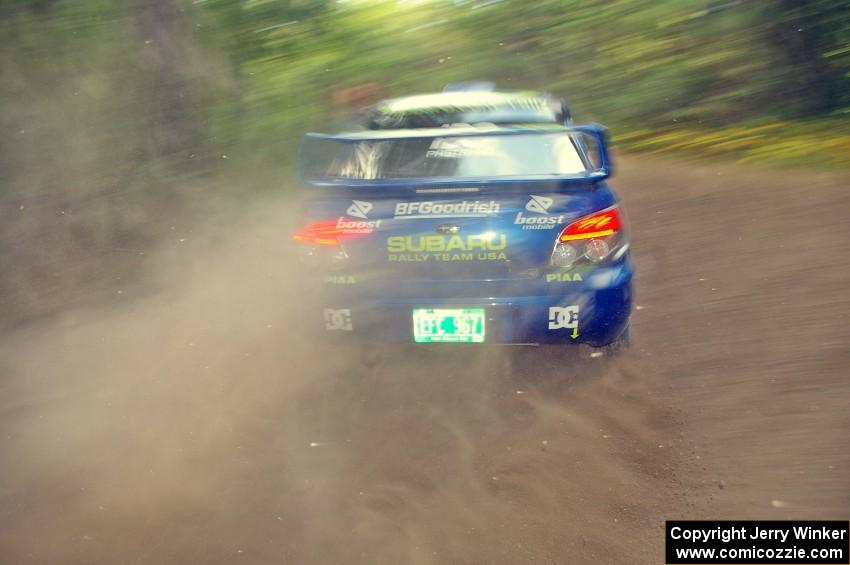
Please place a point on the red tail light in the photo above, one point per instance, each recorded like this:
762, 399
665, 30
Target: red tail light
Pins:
600, 224
327, 232
324, 240
595, 238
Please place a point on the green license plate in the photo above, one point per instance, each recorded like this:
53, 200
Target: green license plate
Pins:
448, 325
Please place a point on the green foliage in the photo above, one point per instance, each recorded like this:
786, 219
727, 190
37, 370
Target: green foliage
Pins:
153, 88
819, 143
640, 66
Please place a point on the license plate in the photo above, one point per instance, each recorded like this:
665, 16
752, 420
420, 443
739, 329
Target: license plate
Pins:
448, 325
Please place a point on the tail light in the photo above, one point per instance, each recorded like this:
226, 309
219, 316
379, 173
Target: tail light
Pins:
320, 233
596, 238
323, 243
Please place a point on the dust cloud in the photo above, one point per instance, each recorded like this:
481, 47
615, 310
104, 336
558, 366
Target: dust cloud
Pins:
193, 418
163, 401
179, 409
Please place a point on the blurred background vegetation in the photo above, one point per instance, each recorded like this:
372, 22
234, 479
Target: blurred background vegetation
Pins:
135, 89
121, 115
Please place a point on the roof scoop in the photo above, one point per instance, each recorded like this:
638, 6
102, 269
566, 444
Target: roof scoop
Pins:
470, 86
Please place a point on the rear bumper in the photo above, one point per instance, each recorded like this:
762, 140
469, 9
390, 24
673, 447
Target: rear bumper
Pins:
546, 309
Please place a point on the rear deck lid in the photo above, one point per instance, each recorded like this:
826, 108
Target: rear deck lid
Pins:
452, 203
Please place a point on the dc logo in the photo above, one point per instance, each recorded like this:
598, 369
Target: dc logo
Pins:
539, 204
359, 209
564, 318
338, 319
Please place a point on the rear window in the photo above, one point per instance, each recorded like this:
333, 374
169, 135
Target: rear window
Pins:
440, 110
516, 155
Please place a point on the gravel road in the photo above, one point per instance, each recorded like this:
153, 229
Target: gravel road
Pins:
184, 417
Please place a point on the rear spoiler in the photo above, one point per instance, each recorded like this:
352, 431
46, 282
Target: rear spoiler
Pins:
599, 133
600, 168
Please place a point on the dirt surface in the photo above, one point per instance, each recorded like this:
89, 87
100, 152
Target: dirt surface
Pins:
185, 418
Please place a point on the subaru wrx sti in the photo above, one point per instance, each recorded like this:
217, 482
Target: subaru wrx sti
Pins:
467, 217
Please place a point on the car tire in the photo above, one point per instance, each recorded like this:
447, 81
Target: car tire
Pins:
372, 354
614, 349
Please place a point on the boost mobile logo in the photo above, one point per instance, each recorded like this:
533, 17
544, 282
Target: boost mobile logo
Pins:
359, 209
539, 204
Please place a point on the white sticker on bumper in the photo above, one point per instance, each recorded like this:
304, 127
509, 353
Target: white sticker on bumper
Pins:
564, 318
338, 319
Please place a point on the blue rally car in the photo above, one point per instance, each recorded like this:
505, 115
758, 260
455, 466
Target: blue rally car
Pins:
467, 217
